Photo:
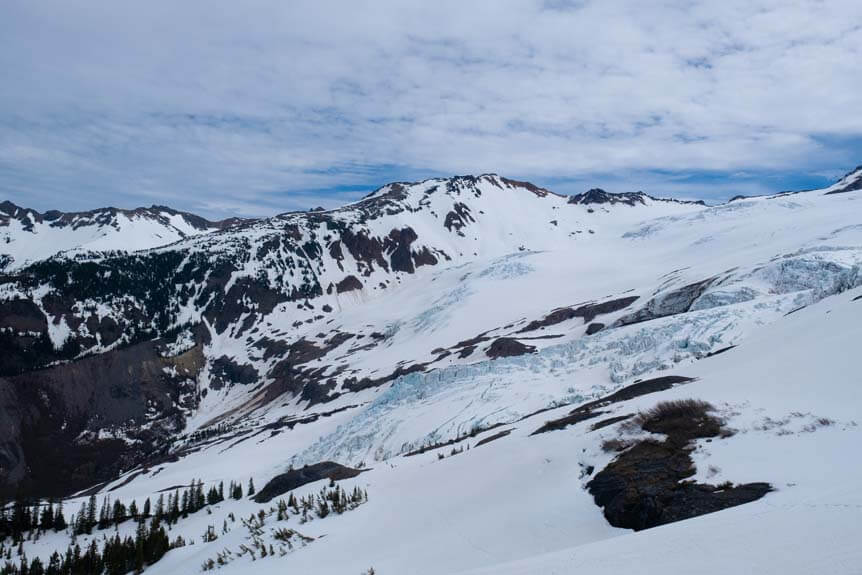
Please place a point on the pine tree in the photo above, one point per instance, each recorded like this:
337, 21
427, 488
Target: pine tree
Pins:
202, 500
46, 520
59, 518
140, 542
104, 514
250, 487
90, 520
184, 506
174, 504
54, 564
118, 513
160, 507
80, 521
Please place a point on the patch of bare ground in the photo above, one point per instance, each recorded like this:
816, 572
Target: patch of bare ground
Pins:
648, 484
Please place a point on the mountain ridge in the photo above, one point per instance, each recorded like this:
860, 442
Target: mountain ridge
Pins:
424, 336
256, 311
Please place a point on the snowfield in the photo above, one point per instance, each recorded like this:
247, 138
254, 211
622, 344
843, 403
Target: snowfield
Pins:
758, 300
28, 236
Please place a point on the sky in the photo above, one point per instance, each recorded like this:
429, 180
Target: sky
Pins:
264, 106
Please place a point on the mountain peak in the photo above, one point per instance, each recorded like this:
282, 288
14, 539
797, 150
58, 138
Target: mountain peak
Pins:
850, 182
600, 196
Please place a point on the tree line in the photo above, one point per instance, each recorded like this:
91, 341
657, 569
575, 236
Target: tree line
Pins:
116, 555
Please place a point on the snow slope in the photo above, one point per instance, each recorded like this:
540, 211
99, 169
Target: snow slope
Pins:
517, 505
27, 236
777, 278
811, 523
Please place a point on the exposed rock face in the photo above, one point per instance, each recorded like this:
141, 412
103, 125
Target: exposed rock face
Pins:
595, 327
670, 303
508, 347
644, 488
224, 371
590, 409
646, 485
90, 310
349, 283
397, 245
598, 196
458, 218
92, 417
588, 312
295, 478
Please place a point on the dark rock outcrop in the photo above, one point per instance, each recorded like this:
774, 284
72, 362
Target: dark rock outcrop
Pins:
349, 283
646, 485
671, 303
397, 245
52, 418
598, 196
295, 478
587, 311
458, 218
589, 410
508, 347
594, 328
644, 488
225, 371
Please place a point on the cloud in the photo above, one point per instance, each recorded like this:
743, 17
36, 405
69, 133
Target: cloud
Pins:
264, 106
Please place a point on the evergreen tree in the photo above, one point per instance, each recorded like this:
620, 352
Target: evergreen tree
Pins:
174, 507
200, 498
140, 540
46, 520
59, 518
104, 514
184, 507
90, 520
118, 513
81, 520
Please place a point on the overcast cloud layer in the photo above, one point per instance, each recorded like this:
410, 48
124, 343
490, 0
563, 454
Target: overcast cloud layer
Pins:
257, 107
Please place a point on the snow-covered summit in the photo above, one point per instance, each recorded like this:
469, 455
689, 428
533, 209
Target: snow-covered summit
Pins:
850, 182
28, 236
474, 331
599, 196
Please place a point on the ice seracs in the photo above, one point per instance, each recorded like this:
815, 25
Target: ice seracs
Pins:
424, 334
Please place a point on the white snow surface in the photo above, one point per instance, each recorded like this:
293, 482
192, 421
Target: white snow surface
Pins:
785, 290
101, 231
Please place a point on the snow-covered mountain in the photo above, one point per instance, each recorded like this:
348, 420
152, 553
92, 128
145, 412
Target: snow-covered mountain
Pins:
492, 357
28, 236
